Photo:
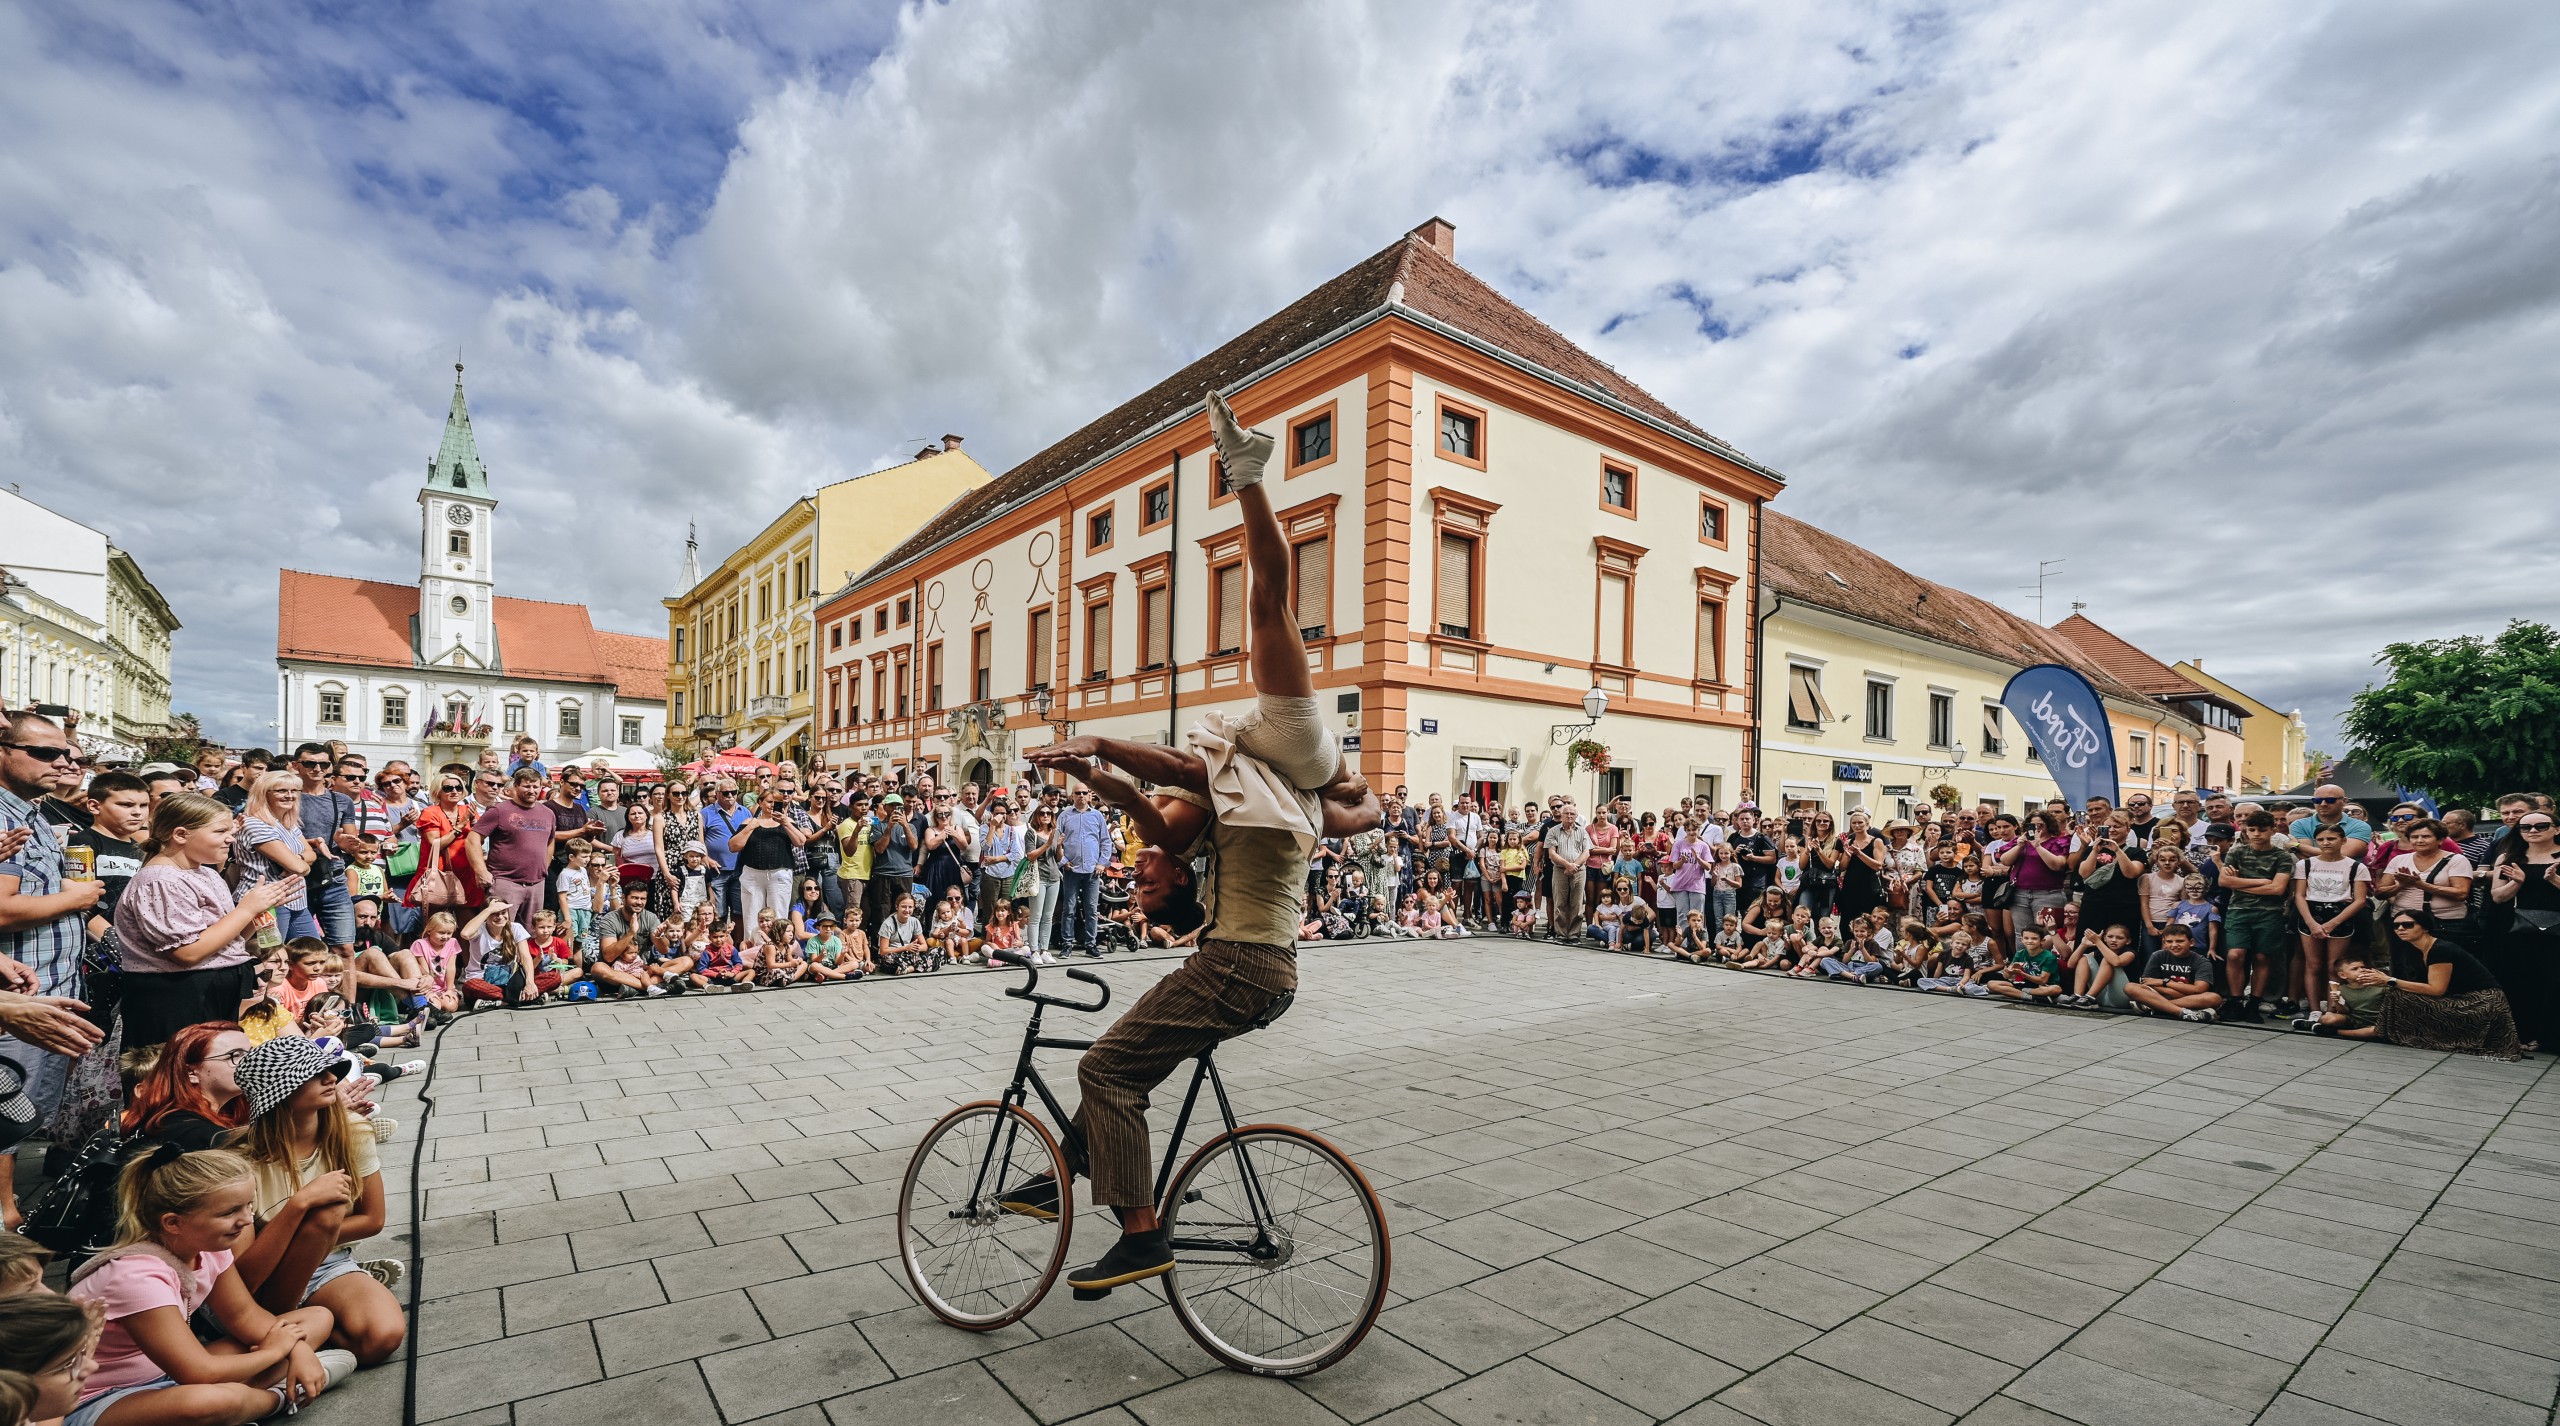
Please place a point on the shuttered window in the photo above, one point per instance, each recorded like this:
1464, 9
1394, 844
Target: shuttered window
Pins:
1097, 640
1043, 649
1613, 619
1229, 633
1457, 586
932, 678
1155, 610
1993, 743
982, 685
1711, 640
1805, 705
1314, 572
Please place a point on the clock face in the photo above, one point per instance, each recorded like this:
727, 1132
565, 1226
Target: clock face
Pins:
458, 514
460, 605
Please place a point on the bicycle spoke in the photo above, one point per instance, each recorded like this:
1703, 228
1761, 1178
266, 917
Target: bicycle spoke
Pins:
1318, 1286
968, 1260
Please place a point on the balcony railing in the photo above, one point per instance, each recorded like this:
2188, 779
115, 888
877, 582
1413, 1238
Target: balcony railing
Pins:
768, 706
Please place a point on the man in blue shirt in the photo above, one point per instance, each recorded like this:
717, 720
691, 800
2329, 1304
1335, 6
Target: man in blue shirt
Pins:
1084, 844
722, 820
2329, 809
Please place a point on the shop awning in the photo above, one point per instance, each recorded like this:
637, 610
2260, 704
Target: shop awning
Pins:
775, 739
1479, 770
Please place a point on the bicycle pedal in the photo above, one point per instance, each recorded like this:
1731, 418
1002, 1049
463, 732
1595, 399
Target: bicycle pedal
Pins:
1091, 1294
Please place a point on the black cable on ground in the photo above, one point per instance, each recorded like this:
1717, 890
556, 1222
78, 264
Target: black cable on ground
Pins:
418, 1228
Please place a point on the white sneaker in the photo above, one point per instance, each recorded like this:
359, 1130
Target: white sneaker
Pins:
413, 1066
340, 1363
653, 990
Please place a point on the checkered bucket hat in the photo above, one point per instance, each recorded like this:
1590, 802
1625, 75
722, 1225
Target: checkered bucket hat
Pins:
271, 1073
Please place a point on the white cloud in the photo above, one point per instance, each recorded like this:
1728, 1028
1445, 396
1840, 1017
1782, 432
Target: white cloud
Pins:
2248, 311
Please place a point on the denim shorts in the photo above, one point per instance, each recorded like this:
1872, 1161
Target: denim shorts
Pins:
339, 1263
88, 1412
296, 922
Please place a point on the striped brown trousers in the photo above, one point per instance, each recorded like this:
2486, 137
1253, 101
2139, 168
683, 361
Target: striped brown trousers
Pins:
1213, 996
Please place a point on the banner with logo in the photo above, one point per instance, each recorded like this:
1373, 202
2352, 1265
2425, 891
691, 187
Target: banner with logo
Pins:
2066, 720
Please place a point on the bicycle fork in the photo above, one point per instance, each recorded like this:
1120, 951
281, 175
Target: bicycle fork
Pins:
1262, 1249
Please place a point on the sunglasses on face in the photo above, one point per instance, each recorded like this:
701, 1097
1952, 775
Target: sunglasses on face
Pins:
2533, 826
40, 754
2324, 801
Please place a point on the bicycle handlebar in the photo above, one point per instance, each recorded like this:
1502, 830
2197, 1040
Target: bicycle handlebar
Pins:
1030, 989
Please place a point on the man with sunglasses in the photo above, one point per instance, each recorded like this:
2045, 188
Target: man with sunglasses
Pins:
724, 823
42, 918
331, 826
2329, 809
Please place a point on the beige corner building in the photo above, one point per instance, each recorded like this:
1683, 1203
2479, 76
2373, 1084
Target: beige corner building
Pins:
1878, 688
741, 640
1487, 526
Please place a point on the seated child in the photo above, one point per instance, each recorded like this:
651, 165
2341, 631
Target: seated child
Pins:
720, 967
1859, 960
825, 950
904, 948
1729, 941
2178, 978
436, 951
1409, 916
1697, 944
1911, 955
784, 962
185, 1218
1524, 917
1606, 916
1959, 964
620, 973
956, 931
667, 959
2100, 965
2034, 973
2352, 1011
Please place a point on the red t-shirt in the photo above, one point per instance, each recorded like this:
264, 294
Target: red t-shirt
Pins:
519, 841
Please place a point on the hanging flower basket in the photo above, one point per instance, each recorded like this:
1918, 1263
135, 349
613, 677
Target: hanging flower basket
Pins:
1588, 753
1945, 795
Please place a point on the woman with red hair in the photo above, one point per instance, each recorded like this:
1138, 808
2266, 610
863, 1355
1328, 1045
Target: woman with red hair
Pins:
191, 1098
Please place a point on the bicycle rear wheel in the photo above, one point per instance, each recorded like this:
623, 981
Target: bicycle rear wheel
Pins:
970, 1262
1289, 1290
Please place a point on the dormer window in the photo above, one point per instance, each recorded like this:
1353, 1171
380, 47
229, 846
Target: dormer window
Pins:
458, 482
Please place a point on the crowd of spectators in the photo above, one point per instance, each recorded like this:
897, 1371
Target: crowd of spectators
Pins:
207, 971
2436, 931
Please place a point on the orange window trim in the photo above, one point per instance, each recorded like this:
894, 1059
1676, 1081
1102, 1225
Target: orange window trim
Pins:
1146, 493
1443, 404
1724, 521
1327, 412
1609, 467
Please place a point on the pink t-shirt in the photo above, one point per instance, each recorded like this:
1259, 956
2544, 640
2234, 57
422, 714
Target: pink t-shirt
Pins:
164, 908
136, 1283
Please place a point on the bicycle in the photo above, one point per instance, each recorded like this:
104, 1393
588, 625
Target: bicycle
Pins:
1280, 1245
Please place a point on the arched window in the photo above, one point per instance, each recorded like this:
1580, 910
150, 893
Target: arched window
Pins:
458, 482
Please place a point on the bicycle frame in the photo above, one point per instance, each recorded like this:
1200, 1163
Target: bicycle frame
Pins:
1071, 1139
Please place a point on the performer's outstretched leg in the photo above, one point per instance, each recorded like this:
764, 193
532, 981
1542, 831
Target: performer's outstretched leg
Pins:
1284, 729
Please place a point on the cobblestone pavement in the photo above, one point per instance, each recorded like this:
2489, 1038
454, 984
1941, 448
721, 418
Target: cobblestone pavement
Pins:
1621, 1191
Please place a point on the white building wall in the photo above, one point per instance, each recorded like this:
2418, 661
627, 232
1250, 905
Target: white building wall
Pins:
60, 558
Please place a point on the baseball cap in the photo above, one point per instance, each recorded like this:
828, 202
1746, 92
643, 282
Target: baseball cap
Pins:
891, 799
163, 769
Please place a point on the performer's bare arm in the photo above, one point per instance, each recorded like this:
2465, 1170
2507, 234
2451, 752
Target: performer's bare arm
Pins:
1161, 821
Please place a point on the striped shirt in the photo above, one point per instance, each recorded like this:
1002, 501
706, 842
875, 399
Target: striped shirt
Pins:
50, 948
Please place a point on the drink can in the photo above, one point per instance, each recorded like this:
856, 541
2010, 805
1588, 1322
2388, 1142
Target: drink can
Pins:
265, 934
79, 863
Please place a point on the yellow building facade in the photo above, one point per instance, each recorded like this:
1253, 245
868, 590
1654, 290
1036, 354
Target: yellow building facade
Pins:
2275, 747
1878, 687
741, 643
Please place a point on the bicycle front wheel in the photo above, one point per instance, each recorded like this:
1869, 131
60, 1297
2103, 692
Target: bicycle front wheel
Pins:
971, 1262
1280, 1251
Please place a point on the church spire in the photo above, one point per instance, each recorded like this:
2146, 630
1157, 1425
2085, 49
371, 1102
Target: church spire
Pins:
457, 466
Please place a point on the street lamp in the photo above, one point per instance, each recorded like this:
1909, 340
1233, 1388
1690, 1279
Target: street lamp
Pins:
1955, 759
1043, 704
1594, 704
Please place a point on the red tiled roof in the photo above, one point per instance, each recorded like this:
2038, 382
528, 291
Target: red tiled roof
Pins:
330, 618
339, 620
2129, 663
638, 664
1798, 562
1434, 286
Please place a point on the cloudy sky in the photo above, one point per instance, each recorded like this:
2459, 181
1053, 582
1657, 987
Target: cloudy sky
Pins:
2249, 316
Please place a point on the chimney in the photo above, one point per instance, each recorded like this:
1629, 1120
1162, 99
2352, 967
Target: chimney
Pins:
1441, 234
928, 453
950, 443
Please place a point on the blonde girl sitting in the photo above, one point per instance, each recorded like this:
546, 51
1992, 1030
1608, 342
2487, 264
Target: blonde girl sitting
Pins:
185, 1216
319, 1192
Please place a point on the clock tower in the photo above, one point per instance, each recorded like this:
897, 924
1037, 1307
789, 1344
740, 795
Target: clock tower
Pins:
457, 570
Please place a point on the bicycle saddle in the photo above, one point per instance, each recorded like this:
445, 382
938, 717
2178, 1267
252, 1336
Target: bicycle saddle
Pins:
1277, 1008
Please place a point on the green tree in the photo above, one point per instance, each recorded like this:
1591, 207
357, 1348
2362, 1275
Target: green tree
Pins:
2467, 719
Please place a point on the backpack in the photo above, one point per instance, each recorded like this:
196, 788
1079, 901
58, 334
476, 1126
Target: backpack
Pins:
75, 1213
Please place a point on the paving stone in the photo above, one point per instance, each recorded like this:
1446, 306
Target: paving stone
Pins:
1797, 1392
508, 1369
576, 1297
1067, 1376
1468, 1332
708, 1270
1556, 1295
962, 1395
1644, 1369
1221, 1398
2204, 1367
1726, 1328
1524, 1392
797, 1304
2096, 1394
913, 1340
1912, 1364
791, 1371
679, 1331
2410, 1398
673, 1393
1973, 1323
1647, 1269
1800, 1293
